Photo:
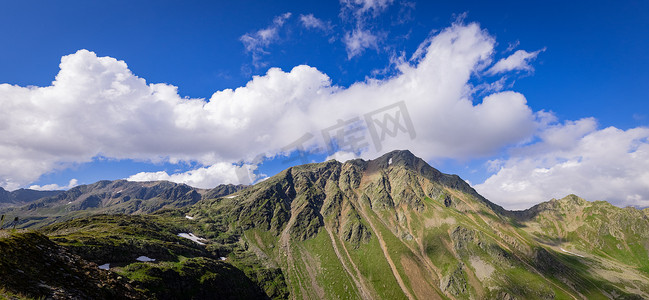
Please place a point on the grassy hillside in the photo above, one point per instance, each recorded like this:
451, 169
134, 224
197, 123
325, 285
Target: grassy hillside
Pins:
182, 268
394, 228
389, 228
608, 242
32, 266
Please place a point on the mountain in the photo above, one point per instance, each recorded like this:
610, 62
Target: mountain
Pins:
396, 228
112, 197
23, 196
389, 228
596, 230
223, 190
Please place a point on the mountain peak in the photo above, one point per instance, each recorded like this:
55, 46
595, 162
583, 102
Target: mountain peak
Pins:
572, 199
398, 157
568, 203
407, 160
405, 214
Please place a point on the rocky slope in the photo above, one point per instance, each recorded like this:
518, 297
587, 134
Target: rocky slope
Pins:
389, 228
150, 252
611, 242
223, 190
33, 266
396, 228
118, 257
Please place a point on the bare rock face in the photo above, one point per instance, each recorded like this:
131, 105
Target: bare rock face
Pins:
455, 282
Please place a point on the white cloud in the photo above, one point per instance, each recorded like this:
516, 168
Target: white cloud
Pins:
358, 40
361, 7
342, 156
55, 187
512, 45
311, 22
257, 42
97, 107
520, 60
206, 177
575, 158
361, 13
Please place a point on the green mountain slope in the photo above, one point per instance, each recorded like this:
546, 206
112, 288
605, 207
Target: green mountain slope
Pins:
181, 269
393, 228
389, 228
612, 242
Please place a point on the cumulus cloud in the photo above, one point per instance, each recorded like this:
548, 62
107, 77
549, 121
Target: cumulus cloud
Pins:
54, 187
575, 158
97, 107
206, 177
342, 156
520, 60
257, 42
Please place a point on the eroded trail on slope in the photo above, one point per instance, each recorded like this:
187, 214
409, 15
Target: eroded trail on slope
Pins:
359, 282
386, 254
428, 265
285, 242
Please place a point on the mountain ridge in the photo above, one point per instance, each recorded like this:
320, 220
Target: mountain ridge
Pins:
393, 227
381, 205
23, 196
117, 196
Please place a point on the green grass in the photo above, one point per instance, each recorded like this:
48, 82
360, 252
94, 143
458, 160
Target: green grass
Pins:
370, 260
189, 278
395, 248
8, 295
437, 251
522, 283
332, 276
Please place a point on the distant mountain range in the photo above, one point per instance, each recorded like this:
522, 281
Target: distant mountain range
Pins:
23, 196
111, 197
389, 228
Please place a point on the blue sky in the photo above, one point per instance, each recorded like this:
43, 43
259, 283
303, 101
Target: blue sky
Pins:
588, 69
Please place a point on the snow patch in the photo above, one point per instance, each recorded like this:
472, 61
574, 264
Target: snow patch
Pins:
192, 237
222, 258
566, 251
144, 259
105, 266
188, 217
230, 197
390, 161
